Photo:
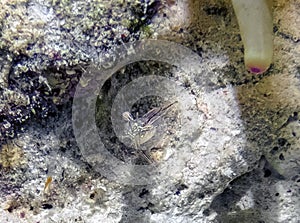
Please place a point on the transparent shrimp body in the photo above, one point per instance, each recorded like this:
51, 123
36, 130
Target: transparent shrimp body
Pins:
143, 129
137, 130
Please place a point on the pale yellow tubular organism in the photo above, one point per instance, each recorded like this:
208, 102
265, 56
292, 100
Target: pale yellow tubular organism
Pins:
47, 184
256, 28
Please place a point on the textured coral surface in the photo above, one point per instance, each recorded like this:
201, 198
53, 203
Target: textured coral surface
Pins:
238, 160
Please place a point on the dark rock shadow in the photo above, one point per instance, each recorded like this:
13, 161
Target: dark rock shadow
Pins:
247, 198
